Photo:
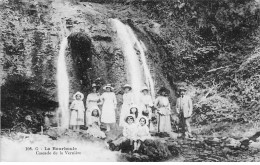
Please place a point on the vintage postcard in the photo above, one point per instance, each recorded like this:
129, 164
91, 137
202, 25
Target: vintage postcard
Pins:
130, 81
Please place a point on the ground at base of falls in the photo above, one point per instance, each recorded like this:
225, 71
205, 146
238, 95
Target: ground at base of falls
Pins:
199, 149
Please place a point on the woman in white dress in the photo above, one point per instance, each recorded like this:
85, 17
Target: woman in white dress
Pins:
93, 100
128, 100
77, 111
108, 99
162, 105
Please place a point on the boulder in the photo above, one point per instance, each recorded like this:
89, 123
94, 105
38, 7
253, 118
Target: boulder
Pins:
150, 150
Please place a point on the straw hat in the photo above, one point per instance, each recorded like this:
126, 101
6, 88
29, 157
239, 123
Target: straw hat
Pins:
78, 93
94, 85
108, 86
130, 115
144, 88
145, 118
127, 86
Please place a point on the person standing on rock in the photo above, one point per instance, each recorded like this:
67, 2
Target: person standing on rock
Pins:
77, 111
93, 100
162, 105
108, 99
128, 100
184, 110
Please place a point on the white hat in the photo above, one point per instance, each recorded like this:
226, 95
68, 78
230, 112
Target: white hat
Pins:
144, 88
127, 86
108, 86
78, 93
182, 88
94, 85
145, 118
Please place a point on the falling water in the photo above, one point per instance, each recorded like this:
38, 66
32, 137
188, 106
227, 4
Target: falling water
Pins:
63, 85
131, 48
148, 78
127, 44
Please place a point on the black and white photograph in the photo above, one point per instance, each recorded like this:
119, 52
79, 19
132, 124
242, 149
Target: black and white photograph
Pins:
130, 81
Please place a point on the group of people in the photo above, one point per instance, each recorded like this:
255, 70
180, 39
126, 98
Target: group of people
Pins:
138, 115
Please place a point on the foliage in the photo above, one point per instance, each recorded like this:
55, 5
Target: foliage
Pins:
210, 41
20, 100
201, 35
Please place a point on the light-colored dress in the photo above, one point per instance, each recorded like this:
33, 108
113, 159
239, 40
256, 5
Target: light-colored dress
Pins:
94, 128
142, 133
146, 103
129, 131
109, 106
91, 102
128, 101
163, 119
77, 112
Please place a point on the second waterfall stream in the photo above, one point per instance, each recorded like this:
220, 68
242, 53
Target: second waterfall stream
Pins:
133, 50
63, 86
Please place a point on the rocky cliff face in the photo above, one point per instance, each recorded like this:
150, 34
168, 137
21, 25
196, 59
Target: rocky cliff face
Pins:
33, 30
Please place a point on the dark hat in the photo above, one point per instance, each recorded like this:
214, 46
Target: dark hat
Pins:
163, 89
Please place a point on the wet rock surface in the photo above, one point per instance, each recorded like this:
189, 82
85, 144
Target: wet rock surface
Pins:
200, 149
149, 151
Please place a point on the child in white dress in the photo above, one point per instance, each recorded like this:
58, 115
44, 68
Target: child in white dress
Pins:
129, 132
77, 111
94, 127
142, 132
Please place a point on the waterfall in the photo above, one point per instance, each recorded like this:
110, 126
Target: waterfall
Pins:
132, 47
148, 77
63, 86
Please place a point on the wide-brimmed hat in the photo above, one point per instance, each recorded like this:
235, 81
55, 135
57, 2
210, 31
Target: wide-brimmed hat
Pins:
130, 115
144, 88
127, 86
78, 93
145, 118
182, 88
108, 86
163, 89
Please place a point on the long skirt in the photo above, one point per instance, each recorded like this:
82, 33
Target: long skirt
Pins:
108, 113
76, 117
164, 123
95, 131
